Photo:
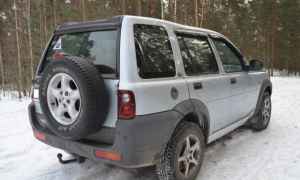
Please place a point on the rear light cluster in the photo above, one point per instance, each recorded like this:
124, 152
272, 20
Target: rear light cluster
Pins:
126, 104
39, 135
58, 56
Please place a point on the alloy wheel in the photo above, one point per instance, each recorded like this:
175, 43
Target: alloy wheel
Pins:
63, 98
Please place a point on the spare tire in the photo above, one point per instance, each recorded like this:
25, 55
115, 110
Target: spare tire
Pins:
73, 97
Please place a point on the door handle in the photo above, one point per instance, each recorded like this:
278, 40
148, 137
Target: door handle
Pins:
198, 85
233, 81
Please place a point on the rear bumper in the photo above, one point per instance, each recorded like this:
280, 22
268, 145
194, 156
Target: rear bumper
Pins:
138, 142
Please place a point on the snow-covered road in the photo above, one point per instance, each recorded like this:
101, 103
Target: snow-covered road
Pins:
243, 155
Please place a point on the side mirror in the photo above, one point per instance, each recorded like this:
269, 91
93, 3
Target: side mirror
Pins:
255, 65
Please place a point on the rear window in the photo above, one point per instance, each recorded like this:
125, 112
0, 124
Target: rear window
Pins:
99, 47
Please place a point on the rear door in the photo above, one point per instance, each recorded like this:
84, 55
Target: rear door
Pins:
239, 80
99, 47
205, 82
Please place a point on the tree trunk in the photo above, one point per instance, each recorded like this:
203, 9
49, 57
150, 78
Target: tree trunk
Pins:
54, 13
202, 12
83, 11
45, 22
123, 7
41, 27
274, 25
162, 8
139, 7
152, 7
19, 78
2, 70
175, 10
196, 14
30, 39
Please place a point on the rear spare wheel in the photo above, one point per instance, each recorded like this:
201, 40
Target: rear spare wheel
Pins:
73, 97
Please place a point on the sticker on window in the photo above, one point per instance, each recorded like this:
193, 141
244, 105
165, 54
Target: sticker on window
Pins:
58, 45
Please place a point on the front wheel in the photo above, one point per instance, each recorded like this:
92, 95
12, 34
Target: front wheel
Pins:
264, 114
182, 158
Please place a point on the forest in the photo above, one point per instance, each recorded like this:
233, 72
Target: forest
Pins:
268, 30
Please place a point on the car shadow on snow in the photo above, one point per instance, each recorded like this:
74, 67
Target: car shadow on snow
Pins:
99, 171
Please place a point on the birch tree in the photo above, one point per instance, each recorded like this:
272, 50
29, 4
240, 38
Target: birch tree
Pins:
162, 8
2, 69
30, 38
196, 13
19, 65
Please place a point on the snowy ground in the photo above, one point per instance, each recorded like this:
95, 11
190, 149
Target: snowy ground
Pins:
244, 155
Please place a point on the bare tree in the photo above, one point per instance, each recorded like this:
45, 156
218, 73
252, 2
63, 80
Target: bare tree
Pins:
83, 10
162, 7
203, 2
41, 27
30, 38
123, 7
45, 21
152, 7
19, 78
2, 69
54, 12
196, 14
139, 7
274, 35
175, 10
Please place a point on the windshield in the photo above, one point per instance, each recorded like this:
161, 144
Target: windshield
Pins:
99, 47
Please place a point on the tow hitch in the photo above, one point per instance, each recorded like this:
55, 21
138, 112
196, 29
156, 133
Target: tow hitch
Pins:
78, 159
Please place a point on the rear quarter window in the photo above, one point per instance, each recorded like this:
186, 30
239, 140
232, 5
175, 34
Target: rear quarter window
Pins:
154, 52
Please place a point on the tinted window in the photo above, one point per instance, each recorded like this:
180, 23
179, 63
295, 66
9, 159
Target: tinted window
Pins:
99, 47
154, 53
197, 55
231, 61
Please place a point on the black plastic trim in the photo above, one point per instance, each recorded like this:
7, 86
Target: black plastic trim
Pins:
198, 108
139, 141
105, 24
265, 84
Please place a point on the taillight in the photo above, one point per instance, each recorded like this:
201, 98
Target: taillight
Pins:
58, 56
126, 104
39, 135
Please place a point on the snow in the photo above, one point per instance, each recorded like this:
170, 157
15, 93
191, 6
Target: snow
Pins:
273, 154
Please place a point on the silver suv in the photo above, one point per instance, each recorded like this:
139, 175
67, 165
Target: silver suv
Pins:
135, 92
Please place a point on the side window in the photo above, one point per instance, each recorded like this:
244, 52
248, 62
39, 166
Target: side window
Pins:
231, 61
197, 55
154, 53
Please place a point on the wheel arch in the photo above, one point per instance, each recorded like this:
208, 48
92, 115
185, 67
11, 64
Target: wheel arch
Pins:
265, 87
195, 111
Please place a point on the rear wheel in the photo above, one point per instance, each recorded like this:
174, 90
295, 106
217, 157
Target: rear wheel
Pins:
183, 155
264, 115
